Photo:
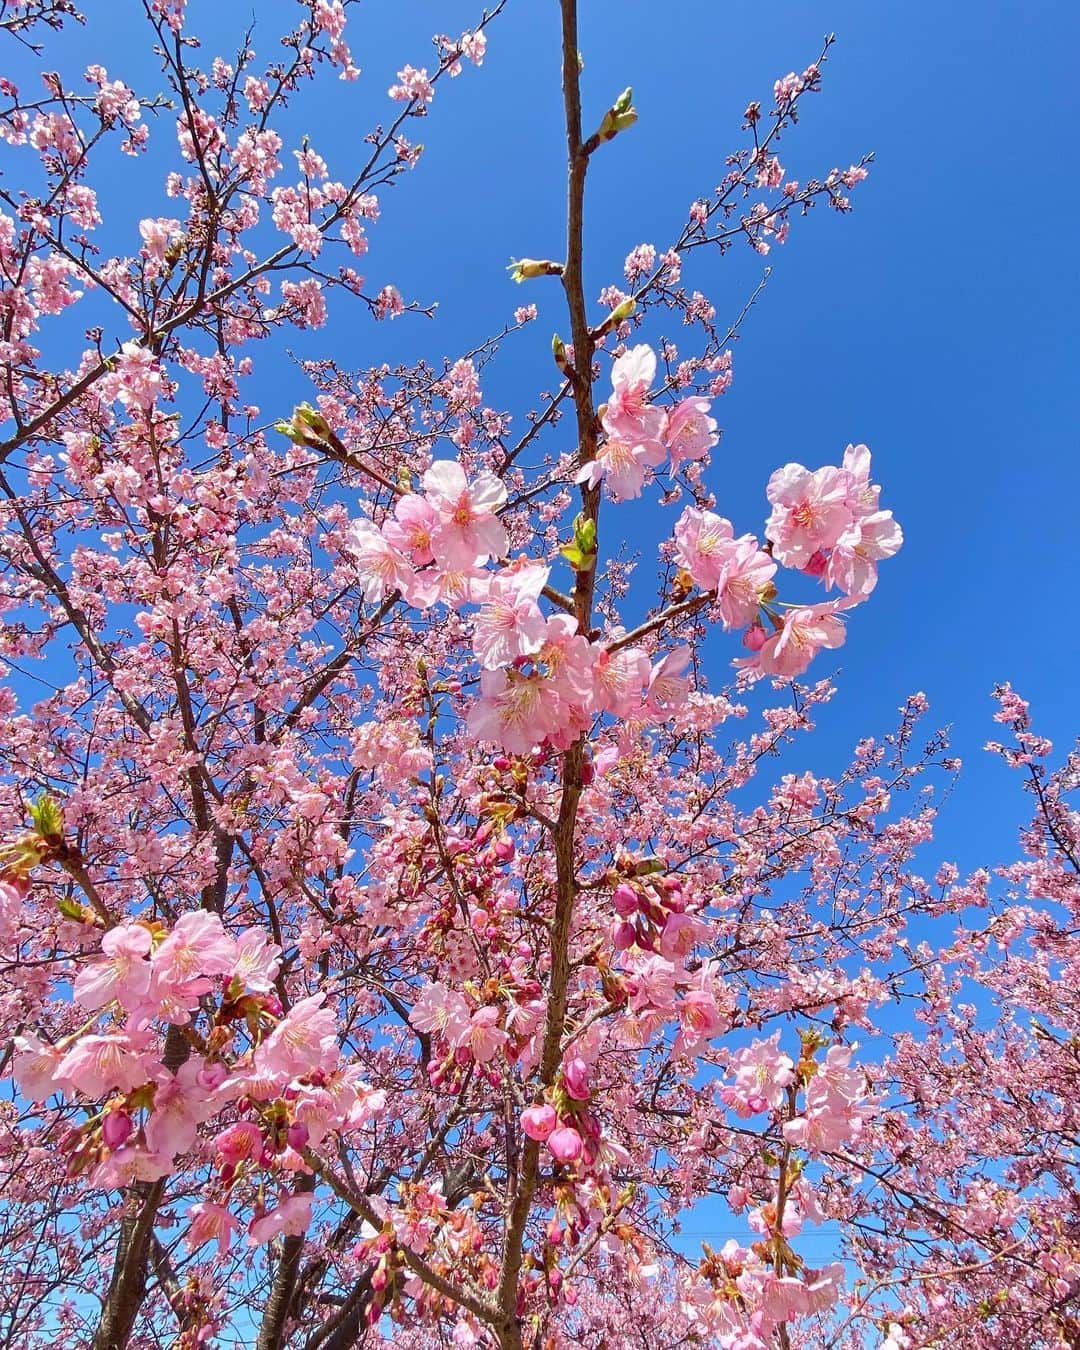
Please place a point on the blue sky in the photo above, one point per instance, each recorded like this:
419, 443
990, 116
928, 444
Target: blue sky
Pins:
935, 323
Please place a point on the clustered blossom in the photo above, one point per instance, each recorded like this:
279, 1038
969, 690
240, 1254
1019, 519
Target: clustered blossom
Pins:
397, 940
640, 435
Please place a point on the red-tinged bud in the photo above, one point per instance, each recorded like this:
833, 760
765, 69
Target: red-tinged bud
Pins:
298, 1135
816, 565
754, 638
623, 935
504, 850
116, 1129
625, 899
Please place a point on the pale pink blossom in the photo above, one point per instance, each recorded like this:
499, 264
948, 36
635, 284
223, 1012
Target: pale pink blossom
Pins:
704, 542
380, 566
305, 1039
629, 417
668, 686
197, 945
123, 974
619, 679
467, 530
689, 432
510, 623
745, 580
810, 511
515, 710
623, 465
762, 1072
483, 1035
441, 1011
95, 1065
291, 1218
804, 632
411, 527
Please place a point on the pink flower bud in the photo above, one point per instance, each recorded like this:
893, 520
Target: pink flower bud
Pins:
297, 1135
539, 1121
623, 935
625, 899
754, 638
576, 1079
565, 1144
504, 850
116, 1129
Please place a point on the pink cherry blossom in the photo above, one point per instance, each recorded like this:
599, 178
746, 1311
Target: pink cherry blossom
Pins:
380, 566
124, 976
810, 511
305, 1039
803, 633
515, 710
510, 623
668, 686
466, 531
209, 1222
411, 527
761, 1072
689, 433
291, 1216
197, 945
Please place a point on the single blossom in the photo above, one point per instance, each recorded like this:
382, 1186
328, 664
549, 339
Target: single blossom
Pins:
811, 510
510, 623
123, 974
689, 433
466, 531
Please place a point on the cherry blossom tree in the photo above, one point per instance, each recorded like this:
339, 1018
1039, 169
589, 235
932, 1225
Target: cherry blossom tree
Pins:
401, 934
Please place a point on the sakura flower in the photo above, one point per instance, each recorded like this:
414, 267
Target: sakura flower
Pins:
689, 432
210, 1223
36, 1067
411, 527
803, 633
181, 1105
380, 566
745, 580
668, 687
256, 961
539, 1121
570, 659
514, 710
623, 465
292, 1218
123, 975
699, 1020
197, 945
510, 623
483, 1036
629, 417
305, 1039
466, 531
704, 542
95, 1065
762, 1072
619, 678
442, 1011
810, 511
852, 564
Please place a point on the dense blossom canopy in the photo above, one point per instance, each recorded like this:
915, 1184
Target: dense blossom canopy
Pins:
404, 928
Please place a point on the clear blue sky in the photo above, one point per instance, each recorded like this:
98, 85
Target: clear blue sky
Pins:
936, 323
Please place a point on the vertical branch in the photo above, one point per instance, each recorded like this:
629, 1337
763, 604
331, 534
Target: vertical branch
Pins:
565, 826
